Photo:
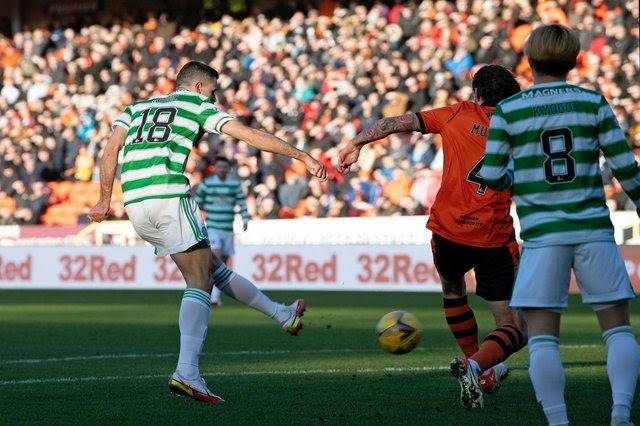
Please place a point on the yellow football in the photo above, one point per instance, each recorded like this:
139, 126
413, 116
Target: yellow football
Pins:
398, 332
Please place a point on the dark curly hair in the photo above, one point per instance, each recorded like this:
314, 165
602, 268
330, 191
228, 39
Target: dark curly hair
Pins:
493, 83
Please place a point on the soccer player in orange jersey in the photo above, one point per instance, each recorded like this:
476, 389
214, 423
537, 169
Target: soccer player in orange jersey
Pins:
471, 225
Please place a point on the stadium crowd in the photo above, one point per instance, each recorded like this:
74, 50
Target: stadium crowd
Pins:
312, 80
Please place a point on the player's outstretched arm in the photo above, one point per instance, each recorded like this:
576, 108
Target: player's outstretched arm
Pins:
241, 202
108, 166
380, 129
267, 142
495, 171
620, 159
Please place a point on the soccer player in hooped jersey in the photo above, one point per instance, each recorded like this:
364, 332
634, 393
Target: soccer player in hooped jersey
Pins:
156, 136
218, 196
555, 131
471, 226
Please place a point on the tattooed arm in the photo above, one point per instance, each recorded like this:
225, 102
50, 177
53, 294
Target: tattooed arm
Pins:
386, 126
382, 128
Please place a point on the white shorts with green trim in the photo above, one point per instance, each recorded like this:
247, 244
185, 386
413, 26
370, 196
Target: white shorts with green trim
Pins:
544, 274
171, 225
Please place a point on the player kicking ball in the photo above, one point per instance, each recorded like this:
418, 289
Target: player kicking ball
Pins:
555, 132
471, 226
156, 136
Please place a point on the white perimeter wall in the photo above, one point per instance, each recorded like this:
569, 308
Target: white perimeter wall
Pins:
381, 253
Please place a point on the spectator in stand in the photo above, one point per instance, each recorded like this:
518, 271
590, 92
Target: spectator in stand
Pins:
313, 80
83, 169
291, 192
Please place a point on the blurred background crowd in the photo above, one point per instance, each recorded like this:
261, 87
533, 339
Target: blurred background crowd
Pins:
312, 78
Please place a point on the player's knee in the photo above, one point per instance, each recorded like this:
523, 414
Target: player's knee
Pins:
196, 281
453, 288
542, 322
216, 261
502, 320
520, 322
198, 275
611, 315
504, 315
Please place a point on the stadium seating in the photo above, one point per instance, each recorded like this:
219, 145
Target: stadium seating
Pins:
62, 88
71, 199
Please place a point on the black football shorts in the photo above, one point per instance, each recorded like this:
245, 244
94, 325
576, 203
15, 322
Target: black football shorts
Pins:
495, 268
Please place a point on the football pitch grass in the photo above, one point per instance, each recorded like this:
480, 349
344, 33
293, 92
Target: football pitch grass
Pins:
95, 357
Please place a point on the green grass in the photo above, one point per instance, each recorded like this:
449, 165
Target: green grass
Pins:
125, 346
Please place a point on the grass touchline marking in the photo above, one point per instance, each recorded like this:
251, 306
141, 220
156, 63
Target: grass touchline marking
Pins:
221, 353
85, 358
581, 346
250, 373
222, 374
163, 355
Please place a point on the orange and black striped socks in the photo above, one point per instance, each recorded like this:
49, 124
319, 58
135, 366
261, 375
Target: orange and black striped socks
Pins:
498, 346
462, 324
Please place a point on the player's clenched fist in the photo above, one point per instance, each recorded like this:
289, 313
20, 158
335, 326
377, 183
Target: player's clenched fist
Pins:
315, 168
99, 212
347, 155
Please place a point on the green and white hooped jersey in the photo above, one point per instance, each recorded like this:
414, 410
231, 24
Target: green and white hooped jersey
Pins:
160, 134
555, 132
219, 199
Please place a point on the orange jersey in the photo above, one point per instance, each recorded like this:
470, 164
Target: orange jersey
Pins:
465, 211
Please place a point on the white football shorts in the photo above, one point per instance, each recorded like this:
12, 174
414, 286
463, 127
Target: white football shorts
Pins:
171, 225
545, 272
221, 241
